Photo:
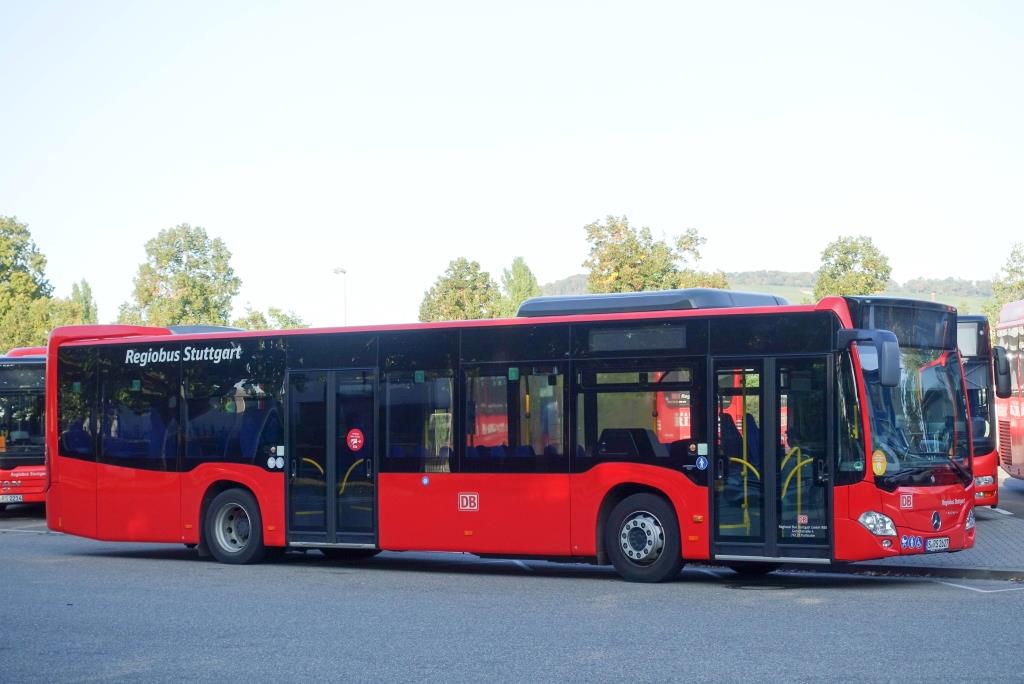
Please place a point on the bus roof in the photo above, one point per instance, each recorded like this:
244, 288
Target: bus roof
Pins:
1012, 313
661, 300
19, 352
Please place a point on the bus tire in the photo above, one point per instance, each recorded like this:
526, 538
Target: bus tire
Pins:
642, 539
234, 528
348, 555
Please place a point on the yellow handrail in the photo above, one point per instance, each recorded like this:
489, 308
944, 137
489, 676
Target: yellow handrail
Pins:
314, 464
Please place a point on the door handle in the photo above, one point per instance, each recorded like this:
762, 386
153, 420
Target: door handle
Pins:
820, 471
294, 468
719, 468
369, 468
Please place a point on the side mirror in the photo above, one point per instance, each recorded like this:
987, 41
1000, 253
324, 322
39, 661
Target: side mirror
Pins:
1001, 366
886, 345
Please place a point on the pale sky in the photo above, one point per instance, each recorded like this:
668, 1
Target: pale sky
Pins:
390, 138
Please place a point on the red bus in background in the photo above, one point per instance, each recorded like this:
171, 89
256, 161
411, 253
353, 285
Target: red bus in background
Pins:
534, 436
22, 436
975, 345
1010, 410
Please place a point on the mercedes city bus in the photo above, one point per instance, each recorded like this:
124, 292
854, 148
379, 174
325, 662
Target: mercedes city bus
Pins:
817, 434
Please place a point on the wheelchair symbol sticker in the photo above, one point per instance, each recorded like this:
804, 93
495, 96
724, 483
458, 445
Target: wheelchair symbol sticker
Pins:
702, 463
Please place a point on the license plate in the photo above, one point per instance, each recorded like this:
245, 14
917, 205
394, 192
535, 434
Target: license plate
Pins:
11, 498
936, 544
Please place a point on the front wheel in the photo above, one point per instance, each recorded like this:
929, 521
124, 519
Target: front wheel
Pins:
642, 539
234, 528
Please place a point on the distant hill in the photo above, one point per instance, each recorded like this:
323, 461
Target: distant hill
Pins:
968, 296
576, 284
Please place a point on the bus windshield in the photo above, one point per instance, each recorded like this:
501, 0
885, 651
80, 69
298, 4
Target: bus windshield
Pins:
920, 425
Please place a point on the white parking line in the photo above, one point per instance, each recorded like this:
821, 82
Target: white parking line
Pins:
980, 591
23, 531
1000, 510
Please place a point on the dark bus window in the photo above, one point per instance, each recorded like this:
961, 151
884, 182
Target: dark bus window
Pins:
642, 338
514, 419
341, 350
418, 422
15, 376
234, 407
772, 334
515, 343
139, 406
76, 398
419, 349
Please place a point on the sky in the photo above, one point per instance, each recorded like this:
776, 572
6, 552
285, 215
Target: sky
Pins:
387, 139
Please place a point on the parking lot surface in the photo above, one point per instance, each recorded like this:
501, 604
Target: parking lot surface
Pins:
79, 610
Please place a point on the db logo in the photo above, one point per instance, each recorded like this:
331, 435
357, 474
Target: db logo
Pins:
906, 501
469, 501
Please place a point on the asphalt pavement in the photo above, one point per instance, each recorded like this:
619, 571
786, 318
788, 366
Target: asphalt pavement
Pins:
83, 611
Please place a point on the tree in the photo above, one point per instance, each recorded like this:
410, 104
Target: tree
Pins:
275, 319
24, 289
624, 259
517, 285
186, 279
78, 309
852, 266
1008, 285
463, 292
22, 265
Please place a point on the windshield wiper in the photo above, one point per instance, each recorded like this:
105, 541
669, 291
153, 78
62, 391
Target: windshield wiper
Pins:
905, 474
964, 474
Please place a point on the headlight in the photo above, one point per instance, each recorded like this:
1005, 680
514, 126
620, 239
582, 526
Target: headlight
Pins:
878, 524
969, 525
984, 480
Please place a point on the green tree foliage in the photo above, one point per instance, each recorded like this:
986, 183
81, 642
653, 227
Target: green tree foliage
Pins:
625, 259
463, 292
517, 285
1008, 285
275, 319
852, 266
25, 310
79, 308
186, 279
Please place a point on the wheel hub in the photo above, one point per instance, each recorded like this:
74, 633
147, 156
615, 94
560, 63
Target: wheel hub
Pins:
642, 538
233, 527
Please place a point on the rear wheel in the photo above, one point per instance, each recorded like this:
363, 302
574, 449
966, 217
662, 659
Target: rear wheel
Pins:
234, 528
642, 539
349, 555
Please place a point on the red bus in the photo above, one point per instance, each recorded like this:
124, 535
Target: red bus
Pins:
356, 440
975, 345
1010, 410
22, 408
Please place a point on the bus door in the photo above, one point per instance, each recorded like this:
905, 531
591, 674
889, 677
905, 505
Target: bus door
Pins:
332, 471
771, 493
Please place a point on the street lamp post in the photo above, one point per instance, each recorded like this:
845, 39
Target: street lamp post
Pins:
344, 301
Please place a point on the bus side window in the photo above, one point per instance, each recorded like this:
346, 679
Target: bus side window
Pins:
513, 419
850, 447
234, 411
76, 399
418, 422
